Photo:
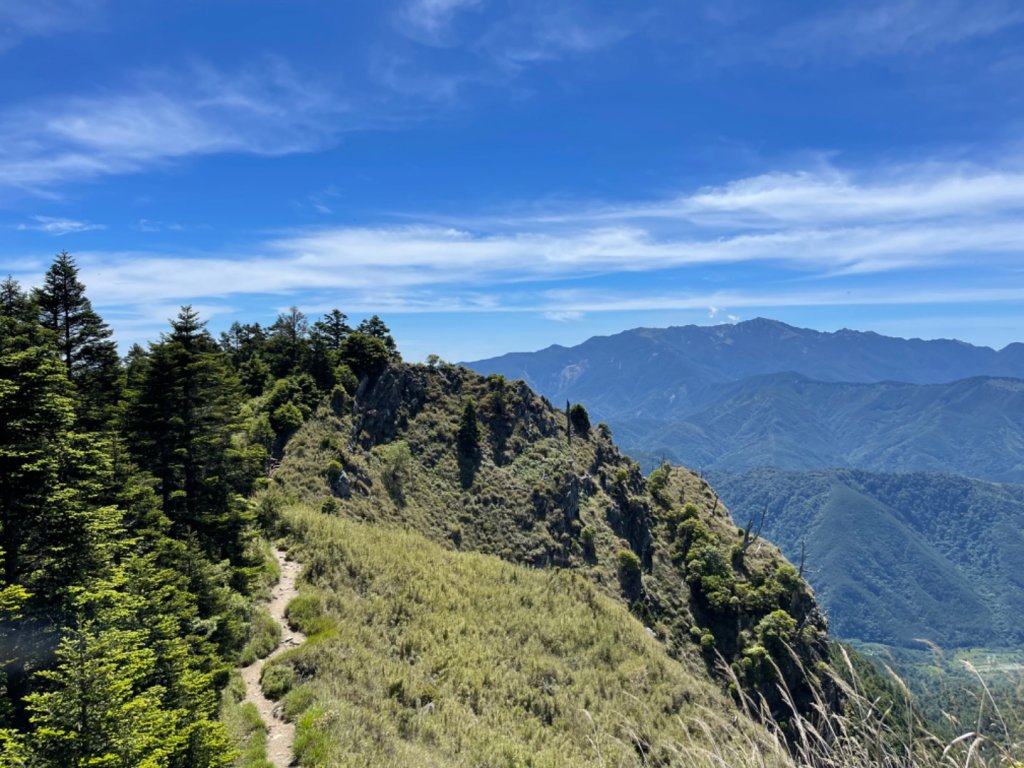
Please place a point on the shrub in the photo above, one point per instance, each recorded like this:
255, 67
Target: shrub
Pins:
587, 540
630, 574
364, 355
397, 471
580, 420
277, 680
286, 419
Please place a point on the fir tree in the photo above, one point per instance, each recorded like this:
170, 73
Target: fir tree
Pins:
468, 444
182, 421
333, 328
286, 343
376, 328
82, 338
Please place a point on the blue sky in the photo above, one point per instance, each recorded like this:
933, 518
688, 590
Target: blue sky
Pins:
496, 176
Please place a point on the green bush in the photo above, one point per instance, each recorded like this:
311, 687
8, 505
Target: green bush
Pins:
587, 541
364, 355
630, 574
580, 420
286, 419
277, 680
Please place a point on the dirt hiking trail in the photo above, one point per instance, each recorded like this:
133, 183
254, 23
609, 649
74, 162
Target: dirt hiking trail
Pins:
280, 733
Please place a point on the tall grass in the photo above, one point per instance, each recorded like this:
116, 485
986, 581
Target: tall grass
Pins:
869, 733
420, 656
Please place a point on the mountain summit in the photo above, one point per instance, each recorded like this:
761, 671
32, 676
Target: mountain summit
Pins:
763, 393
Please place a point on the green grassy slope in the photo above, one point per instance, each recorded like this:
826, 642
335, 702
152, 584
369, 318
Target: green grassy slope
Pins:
663, 547
419, 655
899, 557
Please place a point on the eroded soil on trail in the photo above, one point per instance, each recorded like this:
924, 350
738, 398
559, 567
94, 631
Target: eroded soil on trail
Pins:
280, 733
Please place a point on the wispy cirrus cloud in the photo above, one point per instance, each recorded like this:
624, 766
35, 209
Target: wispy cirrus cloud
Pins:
430, 21
491, 43
886, 28
819, 232
21, 19
52, 225
161, 117
830, 197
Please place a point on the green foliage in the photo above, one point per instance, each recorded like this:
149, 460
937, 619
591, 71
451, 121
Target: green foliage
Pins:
264, 635
364, 355
396, 471
580, 420
937, 562
630, 574
375, 328
468, 444
182, 419
588, 542
82, 340
286, 418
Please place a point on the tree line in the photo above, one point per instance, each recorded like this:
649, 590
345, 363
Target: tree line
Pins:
129, 547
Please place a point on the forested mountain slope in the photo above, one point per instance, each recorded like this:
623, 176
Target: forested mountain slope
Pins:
898, 557
652, 372
762, 393
973, 427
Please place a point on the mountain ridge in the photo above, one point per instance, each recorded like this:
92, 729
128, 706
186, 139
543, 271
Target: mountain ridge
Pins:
763, 393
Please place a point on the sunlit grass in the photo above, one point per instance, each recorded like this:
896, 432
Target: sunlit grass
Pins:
422, 656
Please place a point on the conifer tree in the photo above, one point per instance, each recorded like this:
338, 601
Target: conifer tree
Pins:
242, 341
468, 444
333, 328
82, 338
51, 476
182, 421
286, 344
376, 328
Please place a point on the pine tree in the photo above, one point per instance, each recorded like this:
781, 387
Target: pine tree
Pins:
376, 328
242, 341
52, 526
14, 303
82, 338
182, 422
468, 444
333, 328
287, 341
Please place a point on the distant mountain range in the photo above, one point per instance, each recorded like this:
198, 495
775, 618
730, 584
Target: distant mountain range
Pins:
768, 412
762, 393
897, 557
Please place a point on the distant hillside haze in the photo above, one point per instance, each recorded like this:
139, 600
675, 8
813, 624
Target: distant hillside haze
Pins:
896, 557
683, 359
763, 393
973, 427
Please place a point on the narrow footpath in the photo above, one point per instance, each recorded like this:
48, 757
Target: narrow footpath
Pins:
280, 733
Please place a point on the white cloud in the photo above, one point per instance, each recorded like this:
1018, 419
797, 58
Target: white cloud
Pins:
888, 27
149, 225
58, 226
540, 32
429, 21
160, 118
562, 315
21, 19
828, 196
814, 231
